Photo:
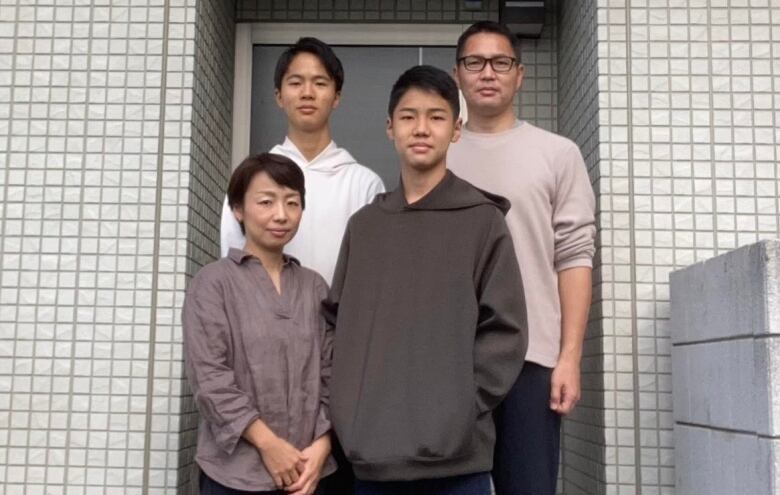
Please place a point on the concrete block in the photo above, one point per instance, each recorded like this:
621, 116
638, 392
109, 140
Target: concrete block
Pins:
772, 253
681, 399
713, 384
693, 466
722, 297
725, 329
718, 462
767, 386
768, 465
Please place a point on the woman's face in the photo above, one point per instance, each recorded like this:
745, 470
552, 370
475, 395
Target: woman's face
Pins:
270, 213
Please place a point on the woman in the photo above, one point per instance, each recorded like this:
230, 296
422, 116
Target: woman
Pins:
257, 352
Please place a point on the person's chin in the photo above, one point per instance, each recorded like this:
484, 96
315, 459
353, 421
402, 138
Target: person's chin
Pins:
422, 165
491, 101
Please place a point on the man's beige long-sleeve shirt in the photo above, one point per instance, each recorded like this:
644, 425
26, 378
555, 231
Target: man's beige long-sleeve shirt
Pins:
251, 352
552, 219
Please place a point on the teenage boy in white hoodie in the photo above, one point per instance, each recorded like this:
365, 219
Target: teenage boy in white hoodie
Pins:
308, 80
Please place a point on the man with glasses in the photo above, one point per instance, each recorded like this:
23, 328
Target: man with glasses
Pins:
552, 225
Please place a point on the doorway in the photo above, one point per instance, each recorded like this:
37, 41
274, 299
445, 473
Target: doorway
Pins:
373, 57
358, 124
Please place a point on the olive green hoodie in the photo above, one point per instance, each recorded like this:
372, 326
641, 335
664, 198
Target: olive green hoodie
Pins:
430, 332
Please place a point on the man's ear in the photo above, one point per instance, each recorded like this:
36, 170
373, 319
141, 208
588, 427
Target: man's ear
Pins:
455, 74
337, 100
456, 133
278, 97
389, 128
520, 74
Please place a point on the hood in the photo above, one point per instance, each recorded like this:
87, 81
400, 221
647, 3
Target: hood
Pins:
329, 161
452, 193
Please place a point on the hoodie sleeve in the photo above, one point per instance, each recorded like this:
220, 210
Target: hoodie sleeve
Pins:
330, 306
230, 235
502, 328
573, 212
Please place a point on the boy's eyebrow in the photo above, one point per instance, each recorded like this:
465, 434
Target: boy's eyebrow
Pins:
291, 75
428, 110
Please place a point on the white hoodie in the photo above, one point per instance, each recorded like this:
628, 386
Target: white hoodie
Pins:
336, 187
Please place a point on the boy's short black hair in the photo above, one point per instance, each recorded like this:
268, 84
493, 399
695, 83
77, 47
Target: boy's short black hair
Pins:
319, 49
281, 169
426, 78
487, 27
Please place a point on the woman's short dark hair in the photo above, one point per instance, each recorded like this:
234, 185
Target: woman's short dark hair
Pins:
281, 169
319, 49
426, 78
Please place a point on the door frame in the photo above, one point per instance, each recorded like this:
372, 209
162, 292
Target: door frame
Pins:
287, 33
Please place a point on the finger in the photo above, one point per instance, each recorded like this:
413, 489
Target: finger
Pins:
293, 473
278, 480
307, 489
570, 400
555, 396
286, 478
304, 478
567, 404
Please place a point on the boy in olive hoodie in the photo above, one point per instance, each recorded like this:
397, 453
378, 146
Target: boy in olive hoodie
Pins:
429, 334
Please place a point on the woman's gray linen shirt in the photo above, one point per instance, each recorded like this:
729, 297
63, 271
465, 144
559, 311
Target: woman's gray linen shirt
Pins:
251, 353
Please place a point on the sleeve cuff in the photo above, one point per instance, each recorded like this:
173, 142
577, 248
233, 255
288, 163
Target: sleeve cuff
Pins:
323, 425
577, 261
228, 436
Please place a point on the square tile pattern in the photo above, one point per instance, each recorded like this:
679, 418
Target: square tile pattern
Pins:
114, 152
107, 205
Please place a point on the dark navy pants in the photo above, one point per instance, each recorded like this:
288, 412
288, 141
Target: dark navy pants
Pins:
469, 484
528, 435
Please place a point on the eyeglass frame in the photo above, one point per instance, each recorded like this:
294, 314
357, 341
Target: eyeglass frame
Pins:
485, 61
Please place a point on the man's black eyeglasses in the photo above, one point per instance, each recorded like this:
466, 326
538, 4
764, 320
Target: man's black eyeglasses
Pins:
474, 63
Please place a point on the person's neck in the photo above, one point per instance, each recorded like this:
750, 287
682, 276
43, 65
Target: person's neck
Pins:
310, 144
418, 183
272, 261
491, 124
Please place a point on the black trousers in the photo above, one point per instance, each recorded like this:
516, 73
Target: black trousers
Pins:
210, 487
342, 482
528, 437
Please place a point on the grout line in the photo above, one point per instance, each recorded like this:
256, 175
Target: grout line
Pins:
156, 250
632, 257
79, 255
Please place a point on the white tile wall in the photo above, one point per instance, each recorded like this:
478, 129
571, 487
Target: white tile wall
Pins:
688, 164
95, 126
586, 454
113, 139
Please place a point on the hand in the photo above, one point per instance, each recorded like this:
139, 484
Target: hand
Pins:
283, 461
565, 386
316, 454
